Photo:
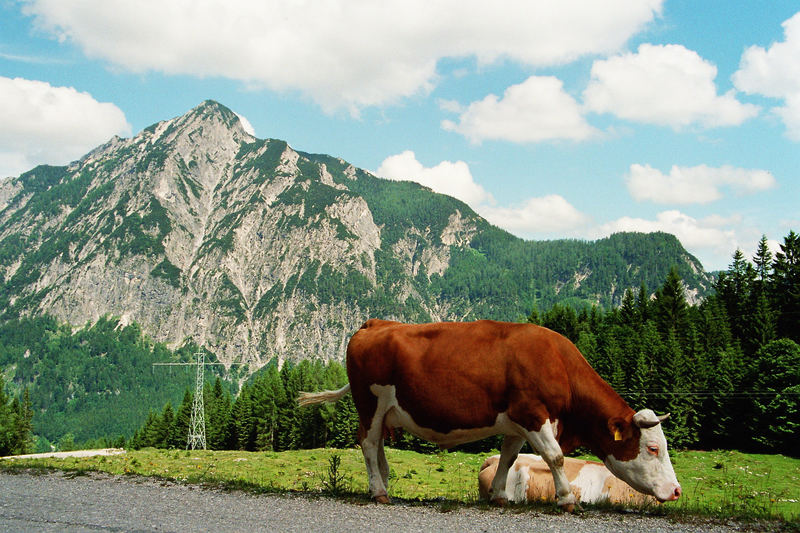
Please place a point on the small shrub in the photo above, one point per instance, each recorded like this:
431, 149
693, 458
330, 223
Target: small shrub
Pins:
335, 479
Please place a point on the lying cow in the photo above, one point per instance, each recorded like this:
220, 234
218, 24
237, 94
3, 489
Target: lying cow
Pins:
529, 479
452, 383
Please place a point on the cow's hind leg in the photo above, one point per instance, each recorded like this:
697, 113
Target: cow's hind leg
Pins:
383, 464
377, 488
508, 454
372, 448
545, 443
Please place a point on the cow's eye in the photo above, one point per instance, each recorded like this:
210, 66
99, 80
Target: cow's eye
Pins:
653, 450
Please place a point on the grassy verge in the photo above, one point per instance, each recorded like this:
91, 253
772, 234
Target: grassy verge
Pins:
719, 484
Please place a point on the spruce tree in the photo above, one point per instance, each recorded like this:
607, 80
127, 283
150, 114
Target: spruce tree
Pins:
762, 260
670, 307
179, 431
776, 404
786, 286
627, 310
23, 430
6, 422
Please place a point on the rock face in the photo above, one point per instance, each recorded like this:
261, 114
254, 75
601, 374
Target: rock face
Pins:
199, 231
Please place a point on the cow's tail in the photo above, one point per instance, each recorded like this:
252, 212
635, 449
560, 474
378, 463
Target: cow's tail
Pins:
326, 396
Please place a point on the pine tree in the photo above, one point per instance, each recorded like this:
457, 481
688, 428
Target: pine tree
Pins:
786, 286
643, 304
344, 425
164, 427
775, 388
6, 422
761, 329
670, 306
682, 430
627, 310
735, 289
763, 261
23, 430
179, 430
217, 403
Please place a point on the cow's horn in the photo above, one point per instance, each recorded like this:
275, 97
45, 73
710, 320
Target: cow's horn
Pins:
647, 419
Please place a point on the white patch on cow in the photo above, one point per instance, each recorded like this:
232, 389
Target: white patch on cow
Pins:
544, 441
591, 480
395, 416
517, 484
647, 473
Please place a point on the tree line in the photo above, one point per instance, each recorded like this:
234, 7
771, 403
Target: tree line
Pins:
728, 370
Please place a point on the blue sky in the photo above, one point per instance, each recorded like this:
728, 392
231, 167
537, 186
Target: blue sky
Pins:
571, 119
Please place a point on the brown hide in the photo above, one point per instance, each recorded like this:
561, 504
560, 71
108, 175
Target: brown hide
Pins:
462, 375
540, 481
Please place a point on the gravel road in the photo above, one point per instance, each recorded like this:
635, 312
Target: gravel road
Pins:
99, 502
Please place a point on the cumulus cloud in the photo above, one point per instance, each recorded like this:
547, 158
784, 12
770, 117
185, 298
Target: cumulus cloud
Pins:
534, 216
535, 110
246, 126
55, 125
694, 185
667, 85
775, 73
452, 179
341, 53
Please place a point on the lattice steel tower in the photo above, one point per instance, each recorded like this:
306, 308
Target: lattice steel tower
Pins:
197, 426
197, 423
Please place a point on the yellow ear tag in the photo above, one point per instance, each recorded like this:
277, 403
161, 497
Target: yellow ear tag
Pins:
617, 435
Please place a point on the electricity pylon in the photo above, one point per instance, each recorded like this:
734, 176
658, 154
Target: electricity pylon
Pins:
197, 425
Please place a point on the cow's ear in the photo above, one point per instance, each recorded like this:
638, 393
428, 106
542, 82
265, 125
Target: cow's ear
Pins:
619, 428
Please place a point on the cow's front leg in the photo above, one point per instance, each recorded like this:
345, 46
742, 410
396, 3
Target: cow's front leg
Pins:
508, 454
545, 443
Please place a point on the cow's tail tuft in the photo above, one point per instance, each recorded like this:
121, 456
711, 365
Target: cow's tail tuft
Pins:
326, 396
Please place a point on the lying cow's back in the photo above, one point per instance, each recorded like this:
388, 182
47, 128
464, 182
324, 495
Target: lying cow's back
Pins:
529, 479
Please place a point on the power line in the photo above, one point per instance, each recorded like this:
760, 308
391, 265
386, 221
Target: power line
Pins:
710, 394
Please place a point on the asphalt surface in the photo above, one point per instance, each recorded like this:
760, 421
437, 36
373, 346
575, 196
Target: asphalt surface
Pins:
99, 502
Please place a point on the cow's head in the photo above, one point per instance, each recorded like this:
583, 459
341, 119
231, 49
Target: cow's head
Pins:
639, 455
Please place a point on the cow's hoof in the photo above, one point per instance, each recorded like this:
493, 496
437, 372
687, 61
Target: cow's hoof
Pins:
568, 503
383, 498
500, 502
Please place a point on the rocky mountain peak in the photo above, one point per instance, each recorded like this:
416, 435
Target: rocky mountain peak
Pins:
197, 230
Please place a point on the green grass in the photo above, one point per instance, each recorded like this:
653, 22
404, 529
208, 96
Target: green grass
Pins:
718, 484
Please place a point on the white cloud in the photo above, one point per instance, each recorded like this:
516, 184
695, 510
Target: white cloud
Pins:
341, 53
453, 179
694, 185
535, 110
534, 216
775, 72
55, 125
246, 126
667, 85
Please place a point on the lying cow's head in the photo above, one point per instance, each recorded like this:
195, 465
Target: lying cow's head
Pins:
638, 455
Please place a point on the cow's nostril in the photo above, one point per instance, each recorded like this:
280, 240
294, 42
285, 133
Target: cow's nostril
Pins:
677, 492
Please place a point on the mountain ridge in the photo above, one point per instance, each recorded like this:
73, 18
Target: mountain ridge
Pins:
199, 231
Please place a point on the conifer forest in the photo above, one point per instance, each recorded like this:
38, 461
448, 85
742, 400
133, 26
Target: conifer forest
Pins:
727, 369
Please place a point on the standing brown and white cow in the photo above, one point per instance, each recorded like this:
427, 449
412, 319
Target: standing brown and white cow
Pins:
452, 383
